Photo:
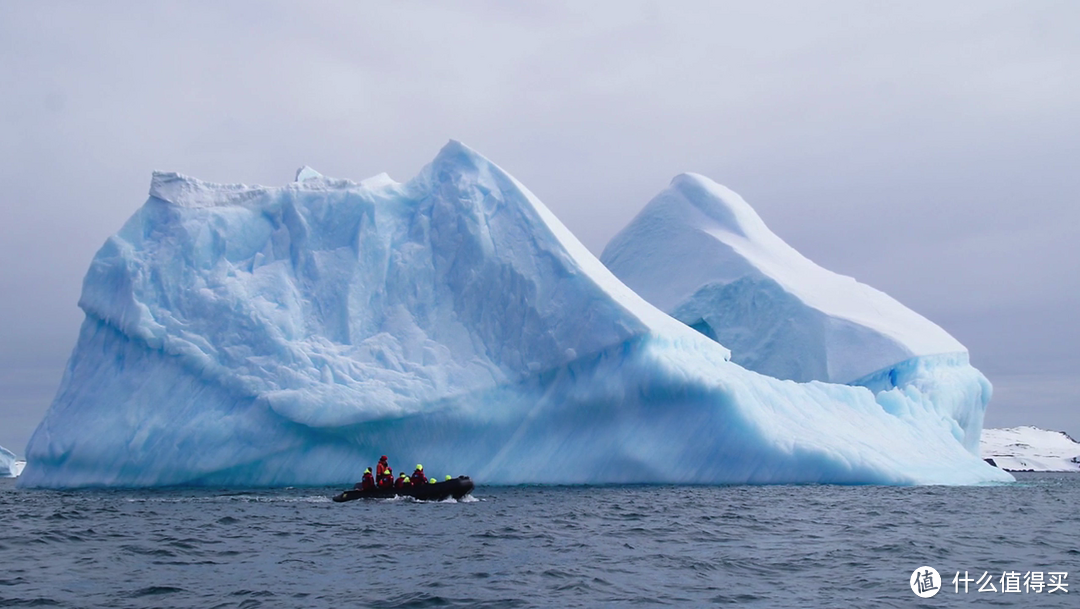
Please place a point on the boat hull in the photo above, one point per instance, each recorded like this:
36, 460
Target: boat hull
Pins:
455, 487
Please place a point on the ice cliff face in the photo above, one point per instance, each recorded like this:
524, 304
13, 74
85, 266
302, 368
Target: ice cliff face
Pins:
273, 336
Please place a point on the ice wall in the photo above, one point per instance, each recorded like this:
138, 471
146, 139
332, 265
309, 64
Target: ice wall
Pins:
242, 335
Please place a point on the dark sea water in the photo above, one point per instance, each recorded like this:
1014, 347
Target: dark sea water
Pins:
774, 546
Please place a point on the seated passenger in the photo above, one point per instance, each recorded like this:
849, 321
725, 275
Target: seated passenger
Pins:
418, 476
368, 482
385, 482
383, 470
403, 481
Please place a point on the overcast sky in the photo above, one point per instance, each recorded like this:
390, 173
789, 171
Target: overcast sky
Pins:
929, 149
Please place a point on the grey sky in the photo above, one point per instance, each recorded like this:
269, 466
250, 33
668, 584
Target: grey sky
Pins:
929, 149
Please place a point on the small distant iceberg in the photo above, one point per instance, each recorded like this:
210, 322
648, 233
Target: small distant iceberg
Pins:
1031, 449
9, 466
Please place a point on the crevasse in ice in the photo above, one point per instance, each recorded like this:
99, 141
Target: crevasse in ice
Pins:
242, 335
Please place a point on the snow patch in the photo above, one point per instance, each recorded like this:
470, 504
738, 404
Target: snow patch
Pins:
1031, 449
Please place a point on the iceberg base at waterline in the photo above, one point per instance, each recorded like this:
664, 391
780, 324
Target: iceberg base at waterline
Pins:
652, 411
240, 335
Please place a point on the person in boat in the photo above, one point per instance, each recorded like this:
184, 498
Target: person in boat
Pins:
403, 481
383, 470
385, 483
418, 476
368, 481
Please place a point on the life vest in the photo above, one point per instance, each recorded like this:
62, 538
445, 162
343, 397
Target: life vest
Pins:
368, 482
386, 482
418, 477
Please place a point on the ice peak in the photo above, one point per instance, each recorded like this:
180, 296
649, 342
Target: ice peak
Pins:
456, 160
719, 203
467, 178
455, 151
746, 286
306, 173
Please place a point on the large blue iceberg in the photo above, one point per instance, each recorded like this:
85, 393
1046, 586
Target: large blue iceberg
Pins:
241, 335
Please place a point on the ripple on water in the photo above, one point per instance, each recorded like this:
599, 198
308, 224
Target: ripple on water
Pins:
39, 601
155, 591
527, 546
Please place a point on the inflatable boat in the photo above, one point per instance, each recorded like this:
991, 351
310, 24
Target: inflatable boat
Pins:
454, 487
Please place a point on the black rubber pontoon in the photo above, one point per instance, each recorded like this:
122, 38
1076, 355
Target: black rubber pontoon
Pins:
455, 487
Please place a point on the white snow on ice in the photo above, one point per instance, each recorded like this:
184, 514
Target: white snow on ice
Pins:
10, 467
246, 335
1031, 449
701, 253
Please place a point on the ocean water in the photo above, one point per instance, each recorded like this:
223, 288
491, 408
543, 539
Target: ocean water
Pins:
772, 546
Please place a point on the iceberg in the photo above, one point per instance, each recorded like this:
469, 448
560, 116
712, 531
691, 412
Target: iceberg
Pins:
701, 253
9, 466
248, 335
1031, 449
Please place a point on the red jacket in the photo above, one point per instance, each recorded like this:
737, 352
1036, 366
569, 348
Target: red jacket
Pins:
418, 477
368, 482
383, 468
